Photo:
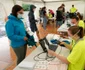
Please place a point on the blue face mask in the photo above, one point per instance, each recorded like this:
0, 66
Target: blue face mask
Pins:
20, 16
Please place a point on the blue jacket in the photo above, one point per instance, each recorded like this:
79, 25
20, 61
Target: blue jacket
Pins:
15, 31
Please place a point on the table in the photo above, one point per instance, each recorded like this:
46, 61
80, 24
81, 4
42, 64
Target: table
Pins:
64, 52
64, 27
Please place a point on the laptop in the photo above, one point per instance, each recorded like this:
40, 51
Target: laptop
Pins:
53, 47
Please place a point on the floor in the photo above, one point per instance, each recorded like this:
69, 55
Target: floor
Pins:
7, 55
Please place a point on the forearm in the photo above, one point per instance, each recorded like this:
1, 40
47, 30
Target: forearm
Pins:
68, 46
62, 58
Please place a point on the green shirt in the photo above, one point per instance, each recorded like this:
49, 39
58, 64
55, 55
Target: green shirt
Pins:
81, 24
77, 56
73, 10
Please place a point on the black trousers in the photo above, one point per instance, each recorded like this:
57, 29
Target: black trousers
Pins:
20, 53
42, 43
72, 15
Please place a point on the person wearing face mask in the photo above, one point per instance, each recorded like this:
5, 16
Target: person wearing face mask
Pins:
16, 32
75, 20
78, 21
76, 59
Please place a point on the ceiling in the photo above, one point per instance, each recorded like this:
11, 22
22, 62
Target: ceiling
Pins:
44, 1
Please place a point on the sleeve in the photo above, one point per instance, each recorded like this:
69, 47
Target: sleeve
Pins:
81, 24
74, 56
10, 32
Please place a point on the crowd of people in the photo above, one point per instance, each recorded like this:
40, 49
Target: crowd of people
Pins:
16, 32
61, 15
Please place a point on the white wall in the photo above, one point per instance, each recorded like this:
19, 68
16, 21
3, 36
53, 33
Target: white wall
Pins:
78, 4
5, 8
8, 4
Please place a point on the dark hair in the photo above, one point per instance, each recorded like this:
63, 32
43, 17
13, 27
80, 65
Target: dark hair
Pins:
80, 16
75, 29
75, 17
15, 9
72, 5
44, 8
63, 4
78, 13
84, 21
59, 7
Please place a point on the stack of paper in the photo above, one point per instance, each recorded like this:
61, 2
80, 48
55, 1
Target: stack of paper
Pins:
41, 65
28, 65
52, 65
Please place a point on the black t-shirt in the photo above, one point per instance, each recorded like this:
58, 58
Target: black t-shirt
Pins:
59, 15
44, 13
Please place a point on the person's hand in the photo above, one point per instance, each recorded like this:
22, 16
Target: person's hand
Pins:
25, 38
62, 43
51, 53
66, 37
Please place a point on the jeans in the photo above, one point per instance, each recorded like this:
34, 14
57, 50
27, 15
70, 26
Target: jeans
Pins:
59, 23
45, 22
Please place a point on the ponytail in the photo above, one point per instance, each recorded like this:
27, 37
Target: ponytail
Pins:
81, 32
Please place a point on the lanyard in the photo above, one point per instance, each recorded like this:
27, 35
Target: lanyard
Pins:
77, 42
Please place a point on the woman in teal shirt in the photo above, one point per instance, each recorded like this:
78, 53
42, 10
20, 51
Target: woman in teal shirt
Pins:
16, 32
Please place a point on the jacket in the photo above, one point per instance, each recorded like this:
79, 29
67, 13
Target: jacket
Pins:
15, 31
32, 19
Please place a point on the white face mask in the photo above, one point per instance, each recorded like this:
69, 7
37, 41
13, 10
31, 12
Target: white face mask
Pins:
20, 16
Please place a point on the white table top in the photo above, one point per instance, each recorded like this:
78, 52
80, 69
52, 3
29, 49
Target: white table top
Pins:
64, 27
29, 58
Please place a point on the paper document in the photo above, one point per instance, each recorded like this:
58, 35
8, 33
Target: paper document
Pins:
26, 64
